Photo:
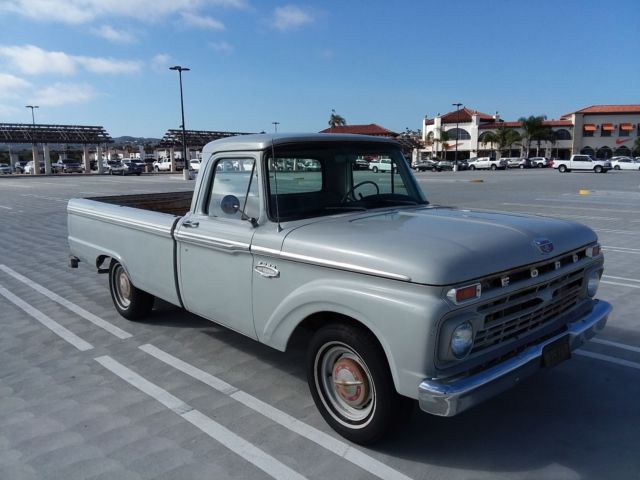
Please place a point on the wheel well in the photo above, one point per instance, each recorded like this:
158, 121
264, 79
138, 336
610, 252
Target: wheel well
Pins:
302, 334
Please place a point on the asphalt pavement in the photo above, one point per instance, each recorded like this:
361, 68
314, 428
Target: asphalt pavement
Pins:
86, 394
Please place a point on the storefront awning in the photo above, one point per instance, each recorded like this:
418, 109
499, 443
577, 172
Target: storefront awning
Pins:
589, 127
607, 127
626, 126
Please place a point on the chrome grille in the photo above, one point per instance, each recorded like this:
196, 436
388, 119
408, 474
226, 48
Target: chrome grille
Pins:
524, 311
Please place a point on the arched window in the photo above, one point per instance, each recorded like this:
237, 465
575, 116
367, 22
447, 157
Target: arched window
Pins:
462, 134
604, 153
482, 136
562, 134
588, 151
430, 136
623, 151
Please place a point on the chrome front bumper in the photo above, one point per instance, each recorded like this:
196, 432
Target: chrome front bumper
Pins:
447, 399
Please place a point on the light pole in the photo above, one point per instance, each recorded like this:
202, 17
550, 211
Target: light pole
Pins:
455, 155
275, 126
185, 169
34, 146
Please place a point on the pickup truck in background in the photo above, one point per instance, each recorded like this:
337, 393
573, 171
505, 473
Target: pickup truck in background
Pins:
381, 165
396, 299
487, 163
66, 165
164, 164
582, 162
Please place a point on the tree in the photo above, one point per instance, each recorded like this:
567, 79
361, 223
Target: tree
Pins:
533, 127
636, 146
336, 120
443, 138
503, 137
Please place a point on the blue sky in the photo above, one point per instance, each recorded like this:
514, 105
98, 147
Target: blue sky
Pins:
105, 62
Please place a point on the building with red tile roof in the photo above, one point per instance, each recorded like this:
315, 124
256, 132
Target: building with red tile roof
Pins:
370, 129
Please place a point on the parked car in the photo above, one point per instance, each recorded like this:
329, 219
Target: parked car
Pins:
194, 164
66, 165
625, 163
113, 167
539, 162
424, 165
487, 163
132, 166
582, 162
28, 168
381, 165
360, 164
517, 162
19, 166
164, 164
5, 169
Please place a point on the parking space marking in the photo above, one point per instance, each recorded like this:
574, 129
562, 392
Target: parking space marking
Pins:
621, 278
99, 322
623, 232
48, 322
221, 434
320, 438
621, 346
42, 197
6, 208
616, 210
562, 215
620, 284
607, 358
586, 202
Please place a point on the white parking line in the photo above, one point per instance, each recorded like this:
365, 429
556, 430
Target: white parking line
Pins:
51, 324
621, 278
621, 346
6, 208
340, 448
99, 322
620, 284
623, 232
607, 358
42, 197
224, 436
616, 210
562, 215
622, 248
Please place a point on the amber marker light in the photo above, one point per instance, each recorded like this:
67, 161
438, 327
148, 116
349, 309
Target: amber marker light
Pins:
463, 294
593, 251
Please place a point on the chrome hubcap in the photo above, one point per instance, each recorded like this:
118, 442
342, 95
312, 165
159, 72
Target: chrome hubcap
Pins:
345, 384
122, 287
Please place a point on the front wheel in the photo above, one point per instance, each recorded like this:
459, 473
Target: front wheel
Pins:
597, 169
493, 167
351, 384
375, 169
130, 302
472, 167
617, 167
562, 168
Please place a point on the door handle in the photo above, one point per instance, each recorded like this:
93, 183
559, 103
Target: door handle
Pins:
190, 224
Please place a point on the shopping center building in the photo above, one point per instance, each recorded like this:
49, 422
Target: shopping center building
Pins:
603, 131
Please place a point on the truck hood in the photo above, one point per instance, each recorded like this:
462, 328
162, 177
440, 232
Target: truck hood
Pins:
433, 245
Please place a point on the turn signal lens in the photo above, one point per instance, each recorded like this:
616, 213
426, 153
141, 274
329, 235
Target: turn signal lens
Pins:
593, 251
462, 294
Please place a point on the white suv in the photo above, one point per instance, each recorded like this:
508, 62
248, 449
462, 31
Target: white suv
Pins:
164, 164
487, 163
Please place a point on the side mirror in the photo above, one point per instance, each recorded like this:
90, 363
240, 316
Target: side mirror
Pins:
230, 204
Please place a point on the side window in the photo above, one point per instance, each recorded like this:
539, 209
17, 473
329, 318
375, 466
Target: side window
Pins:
294, 175
234, 189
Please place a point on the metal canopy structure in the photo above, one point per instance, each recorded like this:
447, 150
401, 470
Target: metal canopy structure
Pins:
77, 134
194, 138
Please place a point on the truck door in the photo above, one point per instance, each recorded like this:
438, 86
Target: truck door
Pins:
213, 241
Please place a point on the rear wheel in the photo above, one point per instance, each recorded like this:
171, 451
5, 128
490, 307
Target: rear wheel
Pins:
617, 167
130, 302
375, 169
472, 167
597, 169
562, 168
494, 167
351, 383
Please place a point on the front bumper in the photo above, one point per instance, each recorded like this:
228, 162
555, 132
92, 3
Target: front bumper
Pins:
447, 399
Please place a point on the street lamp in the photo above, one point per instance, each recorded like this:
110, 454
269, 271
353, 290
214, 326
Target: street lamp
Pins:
34, 146
275, 126
185, 169
455, 157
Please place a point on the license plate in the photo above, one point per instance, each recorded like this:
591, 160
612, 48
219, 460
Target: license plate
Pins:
556, 352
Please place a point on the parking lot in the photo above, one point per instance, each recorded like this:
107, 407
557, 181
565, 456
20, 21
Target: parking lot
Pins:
86, 394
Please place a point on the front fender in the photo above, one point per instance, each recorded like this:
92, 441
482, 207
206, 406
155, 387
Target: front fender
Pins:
401, 315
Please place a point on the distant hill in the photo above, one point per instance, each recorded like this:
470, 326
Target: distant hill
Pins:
135, 140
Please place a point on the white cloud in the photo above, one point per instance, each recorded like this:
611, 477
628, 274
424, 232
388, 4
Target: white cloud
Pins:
81, 11
10, 85
63, 94
161, 62
32, 60
222, 47
200, 21
290, 17
111, 34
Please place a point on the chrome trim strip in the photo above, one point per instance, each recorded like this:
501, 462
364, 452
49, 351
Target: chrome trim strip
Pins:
211, 242
329, 263
125, 222
447, 399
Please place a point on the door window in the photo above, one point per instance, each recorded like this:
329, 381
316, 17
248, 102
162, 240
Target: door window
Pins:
234, 190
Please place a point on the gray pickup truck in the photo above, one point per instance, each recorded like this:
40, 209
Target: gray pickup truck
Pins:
397, 299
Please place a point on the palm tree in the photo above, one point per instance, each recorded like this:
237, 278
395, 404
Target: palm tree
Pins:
532, 127
503, 137
636, 146
336, 120
443, 138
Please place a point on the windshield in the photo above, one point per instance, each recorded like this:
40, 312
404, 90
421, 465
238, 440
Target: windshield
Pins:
320, 179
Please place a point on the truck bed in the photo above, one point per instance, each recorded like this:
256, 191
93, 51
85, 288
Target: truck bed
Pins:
173, 203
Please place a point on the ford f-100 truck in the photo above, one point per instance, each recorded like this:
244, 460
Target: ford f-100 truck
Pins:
398, 299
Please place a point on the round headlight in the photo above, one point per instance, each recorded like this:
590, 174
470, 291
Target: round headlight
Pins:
462, 340
593, 282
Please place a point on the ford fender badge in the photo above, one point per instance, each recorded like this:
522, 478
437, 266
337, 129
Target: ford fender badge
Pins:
268, 271
545, 246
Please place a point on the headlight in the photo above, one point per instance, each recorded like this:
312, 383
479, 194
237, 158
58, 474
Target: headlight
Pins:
593, 282
462, 340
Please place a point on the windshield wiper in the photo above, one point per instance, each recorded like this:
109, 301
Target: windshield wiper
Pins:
345, 207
